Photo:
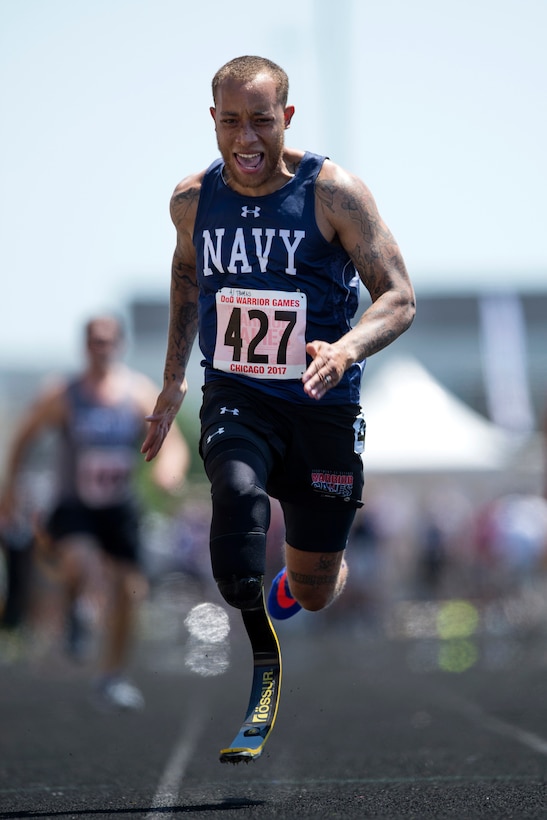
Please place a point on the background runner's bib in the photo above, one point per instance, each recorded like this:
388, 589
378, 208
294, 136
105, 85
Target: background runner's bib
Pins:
99, 447
103, 475
261, 333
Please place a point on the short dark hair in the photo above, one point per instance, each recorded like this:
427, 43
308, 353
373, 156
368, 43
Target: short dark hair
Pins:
109, 318
245, 69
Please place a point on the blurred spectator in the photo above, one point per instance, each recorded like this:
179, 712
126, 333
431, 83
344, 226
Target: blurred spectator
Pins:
433, 556
393, 514
512, 532
520, 532
443, 526
544, 443
361, 593
17, 538
16, 542
91, 534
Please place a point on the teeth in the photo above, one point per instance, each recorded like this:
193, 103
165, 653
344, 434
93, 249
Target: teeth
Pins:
249, 156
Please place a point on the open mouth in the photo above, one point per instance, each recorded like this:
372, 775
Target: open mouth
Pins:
249, 162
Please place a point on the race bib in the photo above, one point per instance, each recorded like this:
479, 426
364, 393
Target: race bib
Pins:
103, 476
261, 333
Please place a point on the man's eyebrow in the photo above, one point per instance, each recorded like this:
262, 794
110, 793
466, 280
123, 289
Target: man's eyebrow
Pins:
261, 112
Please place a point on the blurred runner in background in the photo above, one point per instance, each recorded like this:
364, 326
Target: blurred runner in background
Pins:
93, 528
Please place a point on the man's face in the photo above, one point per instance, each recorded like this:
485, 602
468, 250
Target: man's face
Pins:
103, 342
250, 124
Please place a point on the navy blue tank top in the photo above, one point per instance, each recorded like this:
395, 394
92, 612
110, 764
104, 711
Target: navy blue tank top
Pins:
268, 283
99, 447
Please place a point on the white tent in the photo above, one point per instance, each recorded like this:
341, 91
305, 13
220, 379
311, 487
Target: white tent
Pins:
415, 425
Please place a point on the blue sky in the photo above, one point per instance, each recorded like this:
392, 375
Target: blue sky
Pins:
438, 106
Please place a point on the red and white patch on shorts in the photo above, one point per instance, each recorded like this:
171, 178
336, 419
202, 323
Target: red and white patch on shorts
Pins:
333, 483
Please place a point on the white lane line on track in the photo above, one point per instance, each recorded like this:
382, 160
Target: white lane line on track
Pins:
169, 786
501, 727
533, 741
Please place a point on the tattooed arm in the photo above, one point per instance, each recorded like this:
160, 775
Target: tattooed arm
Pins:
346, 212
183, 316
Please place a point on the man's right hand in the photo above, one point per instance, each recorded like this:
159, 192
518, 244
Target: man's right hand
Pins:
167, 406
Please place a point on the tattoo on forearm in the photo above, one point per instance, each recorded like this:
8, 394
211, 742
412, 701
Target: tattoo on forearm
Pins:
183, 332
184, 274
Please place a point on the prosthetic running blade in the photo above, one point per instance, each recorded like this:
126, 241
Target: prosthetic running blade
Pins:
249, 742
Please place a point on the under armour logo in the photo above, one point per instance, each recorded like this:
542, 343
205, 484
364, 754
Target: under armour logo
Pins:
234, 412
216, 433
245, 211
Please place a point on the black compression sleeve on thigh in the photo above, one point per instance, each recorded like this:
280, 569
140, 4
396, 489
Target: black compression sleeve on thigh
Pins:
241, 511
316, 529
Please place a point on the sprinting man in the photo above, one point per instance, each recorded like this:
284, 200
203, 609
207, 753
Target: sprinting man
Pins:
271, 246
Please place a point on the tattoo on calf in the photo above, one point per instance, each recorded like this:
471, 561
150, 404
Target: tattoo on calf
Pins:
326, 562
314, 580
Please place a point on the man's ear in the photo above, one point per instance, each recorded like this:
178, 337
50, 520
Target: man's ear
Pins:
288, 114
213, 113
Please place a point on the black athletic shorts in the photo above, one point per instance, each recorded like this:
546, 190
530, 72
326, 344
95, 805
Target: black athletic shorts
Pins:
314, 453
116, 528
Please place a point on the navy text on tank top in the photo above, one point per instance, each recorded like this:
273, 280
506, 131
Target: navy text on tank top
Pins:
99, 448
268, 283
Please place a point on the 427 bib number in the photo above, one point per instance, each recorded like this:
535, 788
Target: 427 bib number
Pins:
261, 333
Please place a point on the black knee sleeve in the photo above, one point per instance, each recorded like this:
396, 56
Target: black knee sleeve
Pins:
241, 513
242, 593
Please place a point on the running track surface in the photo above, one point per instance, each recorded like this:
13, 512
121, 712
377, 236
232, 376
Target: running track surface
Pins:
373, 722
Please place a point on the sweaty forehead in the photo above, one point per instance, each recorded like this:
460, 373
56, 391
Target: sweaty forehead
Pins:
258, 94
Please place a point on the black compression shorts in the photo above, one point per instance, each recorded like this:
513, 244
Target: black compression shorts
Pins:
116, 528
313, 453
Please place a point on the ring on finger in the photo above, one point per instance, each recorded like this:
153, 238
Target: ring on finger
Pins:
328, 379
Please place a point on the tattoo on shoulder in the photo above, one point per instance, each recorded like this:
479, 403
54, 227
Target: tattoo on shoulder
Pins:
358, 205
358, 212
184, 202
326, 190
292, 165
